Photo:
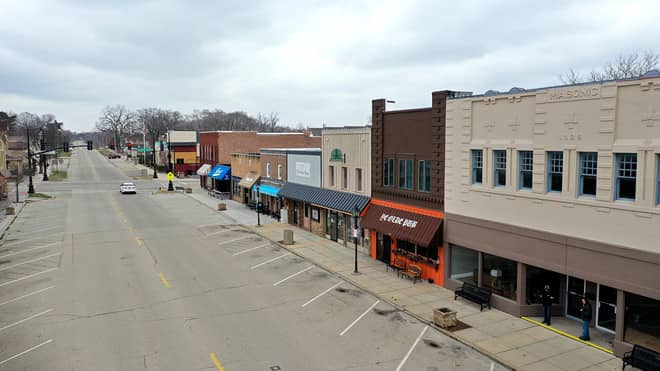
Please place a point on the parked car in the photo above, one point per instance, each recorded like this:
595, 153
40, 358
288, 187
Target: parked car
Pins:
127, 188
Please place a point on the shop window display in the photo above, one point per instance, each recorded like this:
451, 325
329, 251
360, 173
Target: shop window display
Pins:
500, 276
464, 264
642, 321
537, 278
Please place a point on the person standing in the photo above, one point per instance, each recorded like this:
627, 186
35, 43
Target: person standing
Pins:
586, 318
546, 300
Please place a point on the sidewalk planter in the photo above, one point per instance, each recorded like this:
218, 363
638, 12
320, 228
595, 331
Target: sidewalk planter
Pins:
444, 317
222, 206
188, 190
10, 211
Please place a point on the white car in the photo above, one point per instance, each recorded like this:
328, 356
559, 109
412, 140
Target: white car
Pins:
127, 188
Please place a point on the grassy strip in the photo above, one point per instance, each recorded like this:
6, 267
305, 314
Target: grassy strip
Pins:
58, 175
104, 151
39, 195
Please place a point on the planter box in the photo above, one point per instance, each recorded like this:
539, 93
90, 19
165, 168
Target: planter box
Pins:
10, 211
444, 317
288, 237
222, 206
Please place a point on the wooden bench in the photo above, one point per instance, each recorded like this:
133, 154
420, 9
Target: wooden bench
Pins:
475, 294
642, 358
413, 272
399, 265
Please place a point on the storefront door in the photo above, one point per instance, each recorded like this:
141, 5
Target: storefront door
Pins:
383, 244
576, 288
333, 225
606, 308
295, 213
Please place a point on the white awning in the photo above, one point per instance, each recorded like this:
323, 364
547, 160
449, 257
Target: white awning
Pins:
204, 170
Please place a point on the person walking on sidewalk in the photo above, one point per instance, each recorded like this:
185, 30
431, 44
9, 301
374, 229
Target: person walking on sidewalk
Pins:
586, 318
546, 300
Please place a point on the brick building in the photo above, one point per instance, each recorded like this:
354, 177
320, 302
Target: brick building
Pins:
245, 173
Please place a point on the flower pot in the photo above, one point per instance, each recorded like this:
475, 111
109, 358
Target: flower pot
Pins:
444, 317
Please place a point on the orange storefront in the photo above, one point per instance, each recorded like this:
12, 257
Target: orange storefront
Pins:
410, 234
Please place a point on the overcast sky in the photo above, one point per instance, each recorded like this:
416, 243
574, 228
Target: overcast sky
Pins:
313, 62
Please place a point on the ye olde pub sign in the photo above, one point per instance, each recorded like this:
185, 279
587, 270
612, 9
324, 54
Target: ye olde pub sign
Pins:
398, 220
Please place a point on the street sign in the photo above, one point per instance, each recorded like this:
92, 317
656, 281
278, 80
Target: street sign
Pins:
356, 233
170, 176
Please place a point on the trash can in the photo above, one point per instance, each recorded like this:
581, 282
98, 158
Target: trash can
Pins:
288, 237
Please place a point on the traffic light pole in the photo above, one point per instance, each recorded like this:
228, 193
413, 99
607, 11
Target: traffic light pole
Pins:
30, 185
30, 154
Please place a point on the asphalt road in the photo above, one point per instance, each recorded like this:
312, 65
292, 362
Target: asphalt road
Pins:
95, 280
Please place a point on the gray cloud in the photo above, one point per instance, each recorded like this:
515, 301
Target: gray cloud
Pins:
313, 62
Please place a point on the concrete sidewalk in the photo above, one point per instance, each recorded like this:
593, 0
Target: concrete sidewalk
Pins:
513, 341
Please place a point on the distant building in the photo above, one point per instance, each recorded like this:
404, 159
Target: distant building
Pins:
184, 151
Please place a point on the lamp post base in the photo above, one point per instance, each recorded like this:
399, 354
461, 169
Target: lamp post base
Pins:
170, 186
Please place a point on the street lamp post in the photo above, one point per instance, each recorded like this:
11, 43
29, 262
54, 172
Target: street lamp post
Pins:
153, 153
355, 237
30, 185
258, 216
42, 156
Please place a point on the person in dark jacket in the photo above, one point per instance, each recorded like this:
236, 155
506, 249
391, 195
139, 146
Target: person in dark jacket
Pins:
546, 300
586, 318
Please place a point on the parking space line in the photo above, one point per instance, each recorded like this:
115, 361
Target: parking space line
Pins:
232, 240
25, 320
22, 241
25, 351
359, 318
29, 261
26, 277
38, 231
269, 261
403, 361
27, 295
164, 280
216, 362
492, 366
321, 294
26, 250
250, 249
220, 231
293, 275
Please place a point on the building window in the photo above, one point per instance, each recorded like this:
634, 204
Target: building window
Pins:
388, 172
344, 177
588, 173
500, 168
477, 166
657, 181
424, 181
500, 276
406, 174
642, 321
358, 180
279, 172
331, 175
525, 166
179, 161
464, 264
555, 171
626, 176
268, 169
537, 278
306, 207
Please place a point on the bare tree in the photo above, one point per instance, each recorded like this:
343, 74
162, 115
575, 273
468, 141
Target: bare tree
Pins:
267, 122
624, 66
117, 120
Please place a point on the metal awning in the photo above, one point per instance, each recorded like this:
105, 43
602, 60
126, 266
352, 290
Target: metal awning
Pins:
248, 180
204, 170
328, 198
220, 172
268, 190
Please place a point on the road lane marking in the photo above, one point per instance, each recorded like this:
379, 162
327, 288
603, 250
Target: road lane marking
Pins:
359, 318
269, 261
25, 320
29, 261
403, 361
25, 351
321, 294
26, 277
139, 241
26, 250
232, 240
250, 249
162, 278
293, 275
216, 362
26, 295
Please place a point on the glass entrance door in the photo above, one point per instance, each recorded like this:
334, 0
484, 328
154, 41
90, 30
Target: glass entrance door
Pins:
575, 290
333, 226
606, 308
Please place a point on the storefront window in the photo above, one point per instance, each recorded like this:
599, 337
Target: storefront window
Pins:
537, 278
464, 264
500, 276
642, 321
405, 245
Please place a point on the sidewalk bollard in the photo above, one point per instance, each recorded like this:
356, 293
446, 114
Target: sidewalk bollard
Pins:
288, 237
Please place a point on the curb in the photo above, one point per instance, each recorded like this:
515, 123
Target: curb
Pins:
395, 305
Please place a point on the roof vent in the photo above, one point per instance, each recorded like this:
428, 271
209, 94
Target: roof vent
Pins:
516, 90
492, 92
652, 73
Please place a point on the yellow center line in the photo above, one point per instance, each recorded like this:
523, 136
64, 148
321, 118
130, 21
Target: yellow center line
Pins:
139, 241
216, 362
560, 332
162, 278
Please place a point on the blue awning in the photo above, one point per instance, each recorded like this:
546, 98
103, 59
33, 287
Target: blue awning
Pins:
268, 190
220, 172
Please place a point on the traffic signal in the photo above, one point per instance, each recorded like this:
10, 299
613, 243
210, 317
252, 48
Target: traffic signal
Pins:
65, 146
130, 146
89, 145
